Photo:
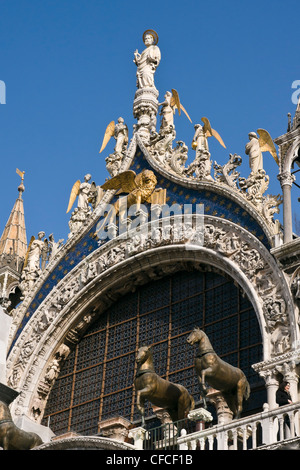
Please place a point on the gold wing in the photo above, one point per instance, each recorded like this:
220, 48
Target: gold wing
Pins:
207, 127
27, 252
175, 101
74, 194
124, 182
109, 132
209, 132
218, 137
266, 144
184, 110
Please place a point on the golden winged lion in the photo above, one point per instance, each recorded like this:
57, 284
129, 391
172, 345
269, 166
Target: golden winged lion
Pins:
140, 188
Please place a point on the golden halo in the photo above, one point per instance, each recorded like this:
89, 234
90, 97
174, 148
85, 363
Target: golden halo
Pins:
153, 34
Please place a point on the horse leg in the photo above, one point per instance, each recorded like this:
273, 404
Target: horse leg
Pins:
140, 402
5, 441
182, 407
240, 392
203, 391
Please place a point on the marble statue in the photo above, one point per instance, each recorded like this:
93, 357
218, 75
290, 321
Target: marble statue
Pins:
37, 250
255, 154
255, 148
200, 142
148, 61
35, 262
82, 190
120, 132
201, 166
83, 195
167, 111
168, 108
121, 136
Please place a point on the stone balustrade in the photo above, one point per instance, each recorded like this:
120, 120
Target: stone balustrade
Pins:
268, 428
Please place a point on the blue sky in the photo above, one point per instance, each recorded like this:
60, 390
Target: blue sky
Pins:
68, 69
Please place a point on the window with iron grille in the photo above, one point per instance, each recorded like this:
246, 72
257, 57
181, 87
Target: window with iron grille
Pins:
96, 381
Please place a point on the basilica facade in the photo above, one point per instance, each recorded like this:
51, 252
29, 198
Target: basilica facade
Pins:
162, 247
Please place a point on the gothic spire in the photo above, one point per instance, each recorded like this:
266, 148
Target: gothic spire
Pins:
13, 242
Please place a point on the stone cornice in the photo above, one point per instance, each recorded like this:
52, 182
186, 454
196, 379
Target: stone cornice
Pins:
288, 254
291, 356
86, 443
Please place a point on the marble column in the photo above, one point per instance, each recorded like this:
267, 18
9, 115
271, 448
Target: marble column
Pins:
286, 181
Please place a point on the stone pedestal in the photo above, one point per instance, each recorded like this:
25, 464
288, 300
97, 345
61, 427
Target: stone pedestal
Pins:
224, 413
115, 428
28, 425
145, 108
201, 416
138, 435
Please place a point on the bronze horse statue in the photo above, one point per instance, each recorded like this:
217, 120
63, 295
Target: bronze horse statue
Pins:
174, 398
13, 438
229, 380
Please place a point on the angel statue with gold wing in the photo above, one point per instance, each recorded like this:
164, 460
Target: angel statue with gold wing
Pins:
202, 133
88, 193
201, 166
140, 188
120, 132
169, 106
37, 251
255, 148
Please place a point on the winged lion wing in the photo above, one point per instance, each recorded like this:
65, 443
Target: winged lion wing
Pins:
124, 181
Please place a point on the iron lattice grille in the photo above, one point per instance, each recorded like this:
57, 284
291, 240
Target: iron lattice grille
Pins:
96, 381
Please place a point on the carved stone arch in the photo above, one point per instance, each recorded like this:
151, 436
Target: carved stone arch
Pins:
120, 266
291, 155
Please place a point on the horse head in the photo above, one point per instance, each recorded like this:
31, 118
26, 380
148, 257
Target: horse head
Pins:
143, 354
195, 336
4, 411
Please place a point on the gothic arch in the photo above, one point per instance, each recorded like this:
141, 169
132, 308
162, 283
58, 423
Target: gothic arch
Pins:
118, 266
291, 155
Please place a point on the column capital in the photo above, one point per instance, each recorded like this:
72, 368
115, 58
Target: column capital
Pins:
286, 178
